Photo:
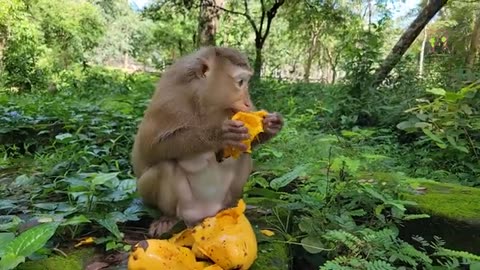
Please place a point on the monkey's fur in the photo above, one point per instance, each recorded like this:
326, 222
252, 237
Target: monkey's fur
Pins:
185, 127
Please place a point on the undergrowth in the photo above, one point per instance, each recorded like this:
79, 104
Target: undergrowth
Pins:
65, 158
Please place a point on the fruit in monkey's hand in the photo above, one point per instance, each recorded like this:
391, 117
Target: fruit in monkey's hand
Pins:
253, 121
225, 241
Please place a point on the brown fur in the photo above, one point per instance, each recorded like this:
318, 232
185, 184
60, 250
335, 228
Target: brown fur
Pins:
182, 130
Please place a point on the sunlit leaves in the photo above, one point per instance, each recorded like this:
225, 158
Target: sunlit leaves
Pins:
16, 250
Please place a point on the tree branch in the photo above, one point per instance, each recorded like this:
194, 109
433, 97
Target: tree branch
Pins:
407, 38
262, 2
270, 15
244, 14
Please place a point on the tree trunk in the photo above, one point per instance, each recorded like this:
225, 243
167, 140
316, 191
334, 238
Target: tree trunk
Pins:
261, 30
334, 74
207, 22
422, 52
311, 53
257, 65
474, 42
332, 62
125, 60
407, 39
369, 15
2, 47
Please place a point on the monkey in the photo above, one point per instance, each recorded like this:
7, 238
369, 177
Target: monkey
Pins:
177, 151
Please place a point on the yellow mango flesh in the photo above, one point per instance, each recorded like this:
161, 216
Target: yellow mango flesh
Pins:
226, 239
161, 254
253, 121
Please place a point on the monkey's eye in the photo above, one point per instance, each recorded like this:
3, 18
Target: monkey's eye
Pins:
240, 82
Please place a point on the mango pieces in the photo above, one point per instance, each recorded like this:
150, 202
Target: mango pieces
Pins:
161, 254
225, 241
253, 121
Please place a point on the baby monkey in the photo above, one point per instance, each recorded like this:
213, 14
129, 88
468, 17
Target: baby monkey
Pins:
185, 128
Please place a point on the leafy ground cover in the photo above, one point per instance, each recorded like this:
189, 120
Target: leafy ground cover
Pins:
374, 142
334, 194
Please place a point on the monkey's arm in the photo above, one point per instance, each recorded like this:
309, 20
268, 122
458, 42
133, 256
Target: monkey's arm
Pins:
262, 138
166, 136
184, 141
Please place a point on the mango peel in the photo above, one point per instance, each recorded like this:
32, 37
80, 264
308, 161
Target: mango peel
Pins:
225, 241
253, 121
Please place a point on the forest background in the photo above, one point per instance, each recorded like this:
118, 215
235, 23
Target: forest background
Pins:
381, 137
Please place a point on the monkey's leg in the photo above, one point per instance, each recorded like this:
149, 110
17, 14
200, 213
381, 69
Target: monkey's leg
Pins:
156, 187
237, 172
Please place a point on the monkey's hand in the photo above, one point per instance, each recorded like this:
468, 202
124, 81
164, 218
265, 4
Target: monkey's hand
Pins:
233, 133
272, 125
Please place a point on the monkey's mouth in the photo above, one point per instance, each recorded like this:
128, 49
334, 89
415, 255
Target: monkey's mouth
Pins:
232, 112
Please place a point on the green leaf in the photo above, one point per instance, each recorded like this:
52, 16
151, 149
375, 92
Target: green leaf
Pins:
75, 220
23, 180
9, 222
374, 193
462, 149
423, 125
287, 178
27, 243
422, 116
104, 178
405, 125
5, 238
451, 140
435, 138
452, 97
467, 109
127, 185
63, 136
11, 261
379, 209
306, 225
312, 244
46, 206
111, 225
437, 91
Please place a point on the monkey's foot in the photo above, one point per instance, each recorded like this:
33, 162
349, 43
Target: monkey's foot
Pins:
161, 226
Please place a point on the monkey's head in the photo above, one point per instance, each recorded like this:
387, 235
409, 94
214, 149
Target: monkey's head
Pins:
223, 75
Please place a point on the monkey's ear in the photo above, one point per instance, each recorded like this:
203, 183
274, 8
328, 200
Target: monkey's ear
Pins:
203, 67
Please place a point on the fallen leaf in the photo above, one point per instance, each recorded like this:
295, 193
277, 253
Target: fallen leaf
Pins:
267, 232
97, 266
86, 241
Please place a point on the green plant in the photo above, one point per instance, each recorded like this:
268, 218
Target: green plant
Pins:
14, 250
450, 121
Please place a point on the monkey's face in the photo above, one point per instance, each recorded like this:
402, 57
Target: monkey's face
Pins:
228, 88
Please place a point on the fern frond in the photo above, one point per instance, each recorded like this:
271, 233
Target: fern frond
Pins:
345, 263
457, 254
336, 264
385, 237
352, 242
409, 254
379, 265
